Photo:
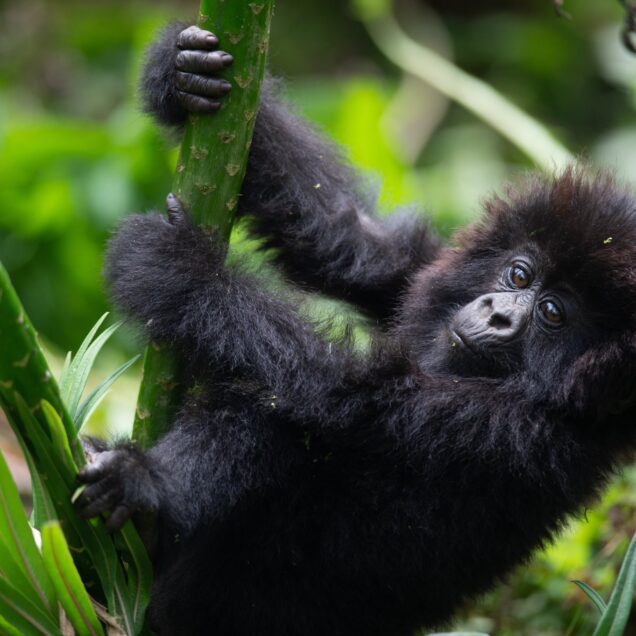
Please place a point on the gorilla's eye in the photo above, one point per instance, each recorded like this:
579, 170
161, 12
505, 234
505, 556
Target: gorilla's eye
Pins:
520, 276
551, 313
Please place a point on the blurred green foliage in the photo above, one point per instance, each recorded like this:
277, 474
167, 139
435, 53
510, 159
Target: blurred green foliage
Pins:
76, 155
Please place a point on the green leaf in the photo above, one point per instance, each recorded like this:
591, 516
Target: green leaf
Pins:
12, 571
66, 377
58, 435
95, 397
593, 595
24, 615
60, 481
68, 584
8, 630
139, 573
616, 615
73, 381
18, 538
43, 509
67, 364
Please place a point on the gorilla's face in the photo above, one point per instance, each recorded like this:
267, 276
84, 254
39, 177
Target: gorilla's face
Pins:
519, 314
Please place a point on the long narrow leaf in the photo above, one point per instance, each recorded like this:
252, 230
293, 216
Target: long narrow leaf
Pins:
17, 535
139, 571
66, 377
95, 397
593, 595
6, 629
12, 571
67, 364
93, 537
43, 509
81, 367
616, 615
61, 483
68, 584
21, 613
58, 436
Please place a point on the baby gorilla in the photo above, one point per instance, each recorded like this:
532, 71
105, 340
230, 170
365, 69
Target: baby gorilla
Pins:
308, 489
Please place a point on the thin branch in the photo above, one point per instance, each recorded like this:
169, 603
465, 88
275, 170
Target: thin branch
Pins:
476, 96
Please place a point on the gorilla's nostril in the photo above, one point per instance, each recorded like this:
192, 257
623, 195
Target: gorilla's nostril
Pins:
499, 321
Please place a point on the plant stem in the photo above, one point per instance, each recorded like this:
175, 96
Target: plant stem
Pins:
23, 367
529, 135
210, 172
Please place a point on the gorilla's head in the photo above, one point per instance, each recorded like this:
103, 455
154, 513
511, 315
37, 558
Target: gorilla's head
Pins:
541, 291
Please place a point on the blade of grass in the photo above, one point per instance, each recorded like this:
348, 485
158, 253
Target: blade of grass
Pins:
8, 630
12, 571
58, 436
24, 615
68, 584
139, 570
593, 595
17, 535
97, 395
80, 369
66, 377
616, 615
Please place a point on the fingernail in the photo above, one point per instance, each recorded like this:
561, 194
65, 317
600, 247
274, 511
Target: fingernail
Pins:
226, 86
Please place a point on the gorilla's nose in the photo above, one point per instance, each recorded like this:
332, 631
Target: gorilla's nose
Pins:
502, 315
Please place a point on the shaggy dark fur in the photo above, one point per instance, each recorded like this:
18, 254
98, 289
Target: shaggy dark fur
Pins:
312, 491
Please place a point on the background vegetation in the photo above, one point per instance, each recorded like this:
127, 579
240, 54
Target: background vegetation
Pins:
76, 155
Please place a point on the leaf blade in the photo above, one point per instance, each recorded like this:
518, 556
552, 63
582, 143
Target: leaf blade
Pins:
68, 584
95, 397
18, 537
616, 615
593, 595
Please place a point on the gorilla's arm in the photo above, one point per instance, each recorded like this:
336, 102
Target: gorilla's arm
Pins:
304, 199
169, 276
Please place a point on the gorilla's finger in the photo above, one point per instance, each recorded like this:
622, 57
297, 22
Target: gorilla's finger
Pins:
93, 493
202, 85
195, 38
174, 208
100, 506
118, 518
201, 61
197, 104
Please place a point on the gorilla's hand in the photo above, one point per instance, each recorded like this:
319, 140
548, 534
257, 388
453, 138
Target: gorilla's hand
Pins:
119, 482
198, 65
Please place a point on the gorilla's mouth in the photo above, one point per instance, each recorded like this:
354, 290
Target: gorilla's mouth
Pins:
459, 340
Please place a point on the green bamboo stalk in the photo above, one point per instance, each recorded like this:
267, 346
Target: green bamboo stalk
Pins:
23, 367
210, 172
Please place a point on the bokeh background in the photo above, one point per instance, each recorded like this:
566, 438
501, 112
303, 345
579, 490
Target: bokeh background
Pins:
76, 155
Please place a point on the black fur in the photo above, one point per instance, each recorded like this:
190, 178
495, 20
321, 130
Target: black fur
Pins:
313, 491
